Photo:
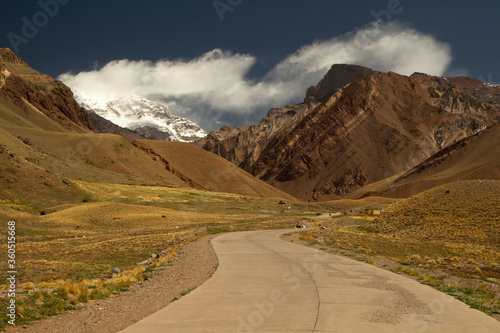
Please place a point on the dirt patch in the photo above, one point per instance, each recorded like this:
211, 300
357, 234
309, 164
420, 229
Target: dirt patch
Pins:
195, 263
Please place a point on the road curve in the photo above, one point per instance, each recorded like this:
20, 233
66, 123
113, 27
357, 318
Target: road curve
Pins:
264, 284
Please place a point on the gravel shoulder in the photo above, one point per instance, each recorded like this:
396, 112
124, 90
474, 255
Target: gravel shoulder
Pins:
195, 263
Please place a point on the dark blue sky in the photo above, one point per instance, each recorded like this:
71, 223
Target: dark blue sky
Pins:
83, 32
71, 36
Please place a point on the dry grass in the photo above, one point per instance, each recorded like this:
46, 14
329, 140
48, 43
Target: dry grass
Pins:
207, 170
66, 256
462, 215
127, 223
82, 241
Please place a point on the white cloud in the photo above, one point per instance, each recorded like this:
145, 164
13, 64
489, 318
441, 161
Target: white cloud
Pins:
215, 86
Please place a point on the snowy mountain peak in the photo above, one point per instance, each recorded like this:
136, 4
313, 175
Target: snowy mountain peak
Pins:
150, 119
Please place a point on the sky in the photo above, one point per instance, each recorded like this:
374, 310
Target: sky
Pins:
226, 62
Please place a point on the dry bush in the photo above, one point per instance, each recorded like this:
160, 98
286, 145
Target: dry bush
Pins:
28, 286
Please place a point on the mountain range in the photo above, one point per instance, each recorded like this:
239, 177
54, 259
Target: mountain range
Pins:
146, 118
358, 133
358, 127
47, 144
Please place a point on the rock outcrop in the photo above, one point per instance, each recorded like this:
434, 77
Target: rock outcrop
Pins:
484, 91
366, 130
243, 145
30, 90
337, 78
102, 125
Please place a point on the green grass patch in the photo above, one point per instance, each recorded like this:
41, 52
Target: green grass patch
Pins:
477, 298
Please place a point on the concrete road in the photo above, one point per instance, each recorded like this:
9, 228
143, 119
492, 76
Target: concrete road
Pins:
264, 284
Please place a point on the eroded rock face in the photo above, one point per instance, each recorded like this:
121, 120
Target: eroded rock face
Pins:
484, 91
337, 78
29, 89
372, 129
243, 145
368, 130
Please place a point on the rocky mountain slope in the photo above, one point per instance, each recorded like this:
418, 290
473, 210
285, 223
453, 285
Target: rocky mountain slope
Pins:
146, 118
373, 128
486, 92
472, 158
102, 125
32, 91
49, 154
243, 145
206, 171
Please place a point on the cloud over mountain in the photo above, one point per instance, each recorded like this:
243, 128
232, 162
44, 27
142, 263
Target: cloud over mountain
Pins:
216, 87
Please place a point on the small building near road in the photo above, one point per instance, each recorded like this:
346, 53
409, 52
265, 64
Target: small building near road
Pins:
373, 212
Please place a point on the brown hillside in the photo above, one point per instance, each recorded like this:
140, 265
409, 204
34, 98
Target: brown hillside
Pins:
30, 90
47, 150
372, 129
11, 115
203, 170
244, 145
476, 157
444, 213
24, 180
94, 157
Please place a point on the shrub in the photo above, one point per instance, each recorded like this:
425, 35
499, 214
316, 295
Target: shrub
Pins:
28, 286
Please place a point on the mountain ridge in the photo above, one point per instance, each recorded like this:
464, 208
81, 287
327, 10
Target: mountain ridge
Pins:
374, 127
243, 145
50, 157
31, 91
148, 119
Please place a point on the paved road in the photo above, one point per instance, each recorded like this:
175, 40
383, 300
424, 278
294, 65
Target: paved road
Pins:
264, 284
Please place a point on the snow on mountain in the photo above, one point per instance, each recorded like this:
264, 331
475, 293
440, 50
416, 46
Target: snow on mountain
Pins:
148, 118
